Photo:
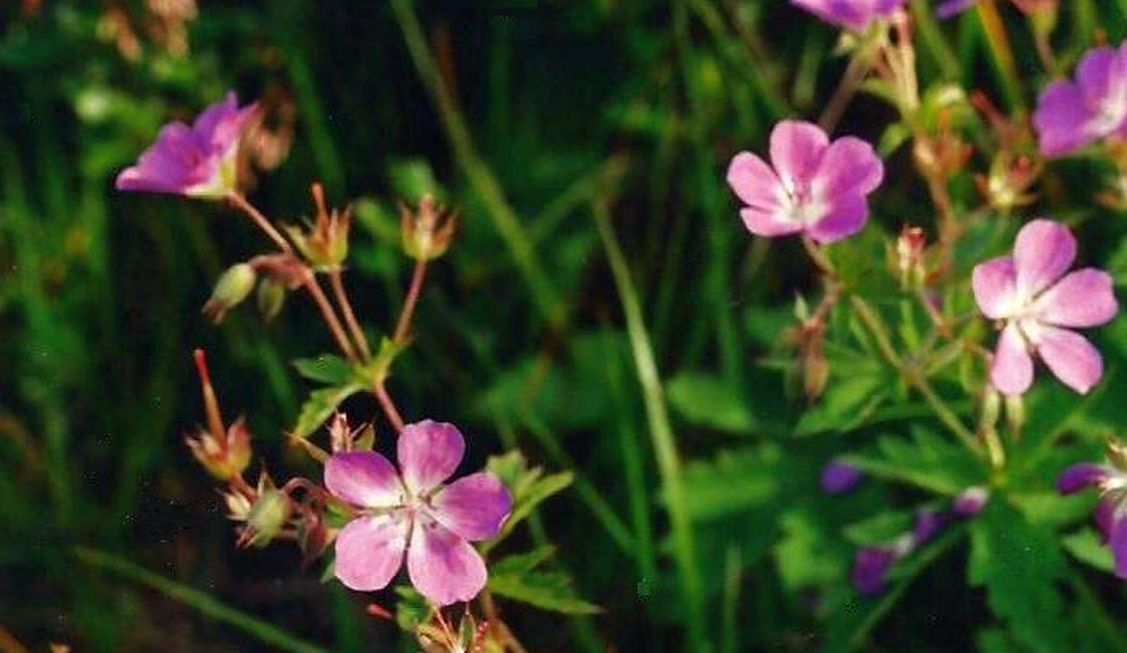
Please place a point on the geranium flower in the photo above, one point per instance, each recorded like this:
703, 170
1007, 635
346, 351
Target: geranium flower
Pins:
1111, 511
856, 15
1073, 114
872, 564
814, 187
197, 161
413, 515
1037, 304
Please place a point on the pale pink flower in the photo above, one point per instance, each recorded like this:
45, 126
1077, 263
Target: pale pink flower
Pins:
412, 514
1037, 305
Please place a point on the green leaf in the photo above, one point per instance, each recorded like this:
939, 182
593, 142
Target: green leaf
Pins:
326, 368
735, 481
320, 406
514, 577
1088, 547
805, 555
528, 486
847, 403
412, 609
706, 400
1019, 564
881, 528
926, 460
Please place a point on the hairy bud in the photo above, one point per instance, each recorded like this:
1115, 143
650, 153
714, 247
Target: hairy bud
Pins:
235, 284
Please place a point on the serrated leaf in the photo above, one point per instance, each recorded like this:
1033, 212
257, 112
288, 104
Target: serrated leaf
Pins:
320, 406
1088, 547
879, 529
326, 368
733, 482
528, 486
1019, 564
514, 577
925, 459
412, 608
706, 400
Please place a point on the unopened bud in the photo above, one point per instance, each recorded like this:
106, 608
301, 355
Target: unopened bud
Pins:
1008, 184
267, 517
991, 408
233, 287
910, 256
970, 502
271, 296
428, 232
815, 372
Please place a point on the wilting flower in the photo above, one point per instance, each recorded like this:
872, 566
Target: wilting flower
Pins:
839, 477
1111, 512
856, 15
872, 564
813, 186
197, 161
1073, 114
411, 513
1037, 304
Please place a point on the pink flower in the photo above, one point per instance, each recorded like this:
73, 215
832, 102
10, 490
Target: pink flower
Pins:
814, 186
856, 15
1038, 305
197, 161
414, 515
1071, 115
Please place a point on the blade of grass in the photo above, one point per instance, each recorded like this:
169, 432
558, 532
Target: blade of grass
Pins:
661, 432
201, 601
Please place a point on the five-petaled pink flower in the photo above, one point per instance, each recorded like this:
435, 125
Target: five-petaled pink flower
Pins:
413, 513
197, 161
1038, 304
1071, 115
856, 15
813, 186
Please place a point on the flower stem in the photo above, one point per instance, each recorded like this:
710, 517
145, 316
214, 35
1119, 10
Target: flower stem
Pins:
661, 432
913, 377
318, 294
260, 220
855, 72
336, 279
388, 406
403, 328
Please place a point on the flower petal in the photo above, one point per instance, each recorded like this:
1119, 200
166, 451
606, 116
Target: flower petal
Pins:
1074, 360
1083, 298
370, 551
994, 284
1061, 119
168, 166
1043, 251
768, 223
1117, 539
846, 216
928, 524
850, 166
754, 182
1081, 476
474, 507
952, 8
796, 150
444, 567
363, 478
429, 453
1012, 369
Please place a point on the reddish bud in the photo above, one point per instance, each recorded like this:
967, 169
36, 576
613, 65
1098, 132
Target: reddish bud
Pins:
428, 232
325, 243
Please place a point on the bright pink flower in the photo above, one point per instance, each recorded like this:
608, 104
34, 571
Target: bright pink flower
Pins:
1071, 115
1038, 305
197, 161
414, 515
813, 186
856, 15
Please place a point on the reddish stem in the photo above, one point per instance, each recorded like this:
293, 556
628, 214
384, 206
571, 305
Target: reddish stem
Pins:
210, 401
388, 406
318, 294
260, 220
337, 281
402, 330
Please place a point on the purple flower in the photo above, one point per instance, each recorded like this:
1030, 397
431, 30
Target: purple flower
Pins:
856, 15
951, 8
1037, 305
411, 514
813, 186
870, 569
197, 161
839, 477
1073, 114
1111, 511
928, 525
970, 502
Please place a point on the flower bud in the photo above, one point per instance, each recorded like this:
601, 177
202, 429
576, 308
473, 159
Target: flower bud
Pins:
1015, 414
970, 502
271, 296
325, 244
223, 458
268, 515
910, 256
234, 285
1007, 186
427, 233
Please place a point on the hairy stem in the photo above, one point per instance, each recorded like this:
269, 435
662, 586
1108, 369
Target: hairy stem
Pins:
336, 279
